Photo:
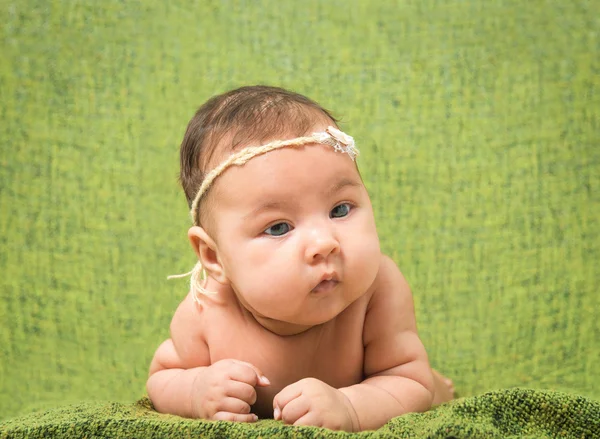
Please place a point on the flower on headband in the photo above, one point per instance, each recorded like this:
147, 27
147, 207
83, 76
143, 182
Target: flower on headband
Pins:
340, 141
340, 136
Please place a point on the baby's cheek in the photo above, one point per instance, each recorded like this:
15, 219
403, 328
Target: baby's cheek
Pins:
366, 258
271, 288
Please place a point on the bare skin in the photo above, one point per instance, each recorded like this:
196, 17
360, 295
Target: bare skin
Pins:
333, 353
309, 324
444, 388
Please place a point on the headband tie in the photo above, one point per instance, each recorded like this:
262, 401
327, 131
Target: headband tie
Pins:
339, 140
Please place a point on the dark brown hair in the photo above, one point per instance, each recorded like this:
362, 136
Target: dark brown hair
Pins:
247, 114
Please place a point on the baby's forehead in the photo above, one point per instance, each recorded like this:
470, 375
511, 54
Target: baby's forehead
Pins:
290, 173
319, 156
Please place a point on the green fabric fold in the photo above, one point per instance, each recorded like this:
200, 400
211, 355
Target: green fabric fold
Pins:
508, 413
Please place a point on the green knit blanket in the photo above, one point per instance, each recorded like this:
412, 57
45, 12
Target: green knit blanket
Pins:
506, 413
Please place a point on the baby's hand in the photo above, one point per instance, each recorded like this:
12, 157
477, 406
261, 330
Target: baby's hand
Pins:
226, 390
312, 402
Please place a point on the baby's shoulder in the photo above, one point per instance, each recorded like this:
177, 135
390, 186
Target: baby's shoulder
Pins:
389, 275
389, 286
197, 317
390, 311
188, 326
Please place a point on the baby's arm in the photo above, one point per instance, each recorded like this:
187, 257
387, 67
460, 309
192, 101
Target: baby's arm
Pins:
399, 378
183, 382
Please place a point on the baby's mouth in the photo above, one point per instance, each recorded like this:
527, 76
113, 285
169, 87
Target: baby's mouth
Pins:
325, 285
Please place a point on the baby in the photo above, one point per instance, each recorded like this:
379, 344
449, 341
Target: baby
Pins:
294, 313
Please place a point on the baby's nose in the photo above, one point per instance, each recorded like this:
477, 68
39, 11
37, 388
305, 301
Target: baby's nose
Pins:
321, 244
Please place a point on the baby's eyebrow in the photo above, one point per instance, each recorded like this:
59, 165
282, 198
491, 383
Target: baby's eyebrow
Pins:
269, 205
280, 205
341, 184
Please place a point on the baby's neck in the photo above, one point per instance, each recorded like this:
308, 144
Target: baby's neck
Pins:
283, 329
277, 327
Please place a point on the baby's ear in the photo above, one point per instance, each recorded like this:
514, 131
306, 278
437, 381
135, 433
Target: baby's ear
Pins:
207, 252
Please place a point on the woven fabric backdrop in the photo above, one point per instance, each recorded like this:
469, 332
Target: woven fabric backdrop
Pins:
479, 127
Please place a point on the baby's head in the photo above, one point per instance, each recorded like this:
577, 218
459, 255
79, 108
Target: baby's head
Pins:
288, 225
246, 116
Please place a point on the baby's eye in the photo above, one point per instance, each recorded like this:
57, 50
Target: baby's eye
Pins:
340, 211
278, 229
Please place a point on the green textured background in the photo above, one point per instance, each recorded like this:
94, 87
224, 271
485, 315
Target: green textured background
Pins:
479, 126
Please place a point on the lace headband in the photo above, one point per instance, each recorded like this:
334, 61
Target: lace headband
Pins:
340, 141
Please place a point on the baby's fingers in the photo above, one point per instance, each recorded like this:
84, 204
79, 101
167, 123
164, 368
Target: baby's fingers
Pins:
235, 417
233, 405
248, 373
240, 390
284, 397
